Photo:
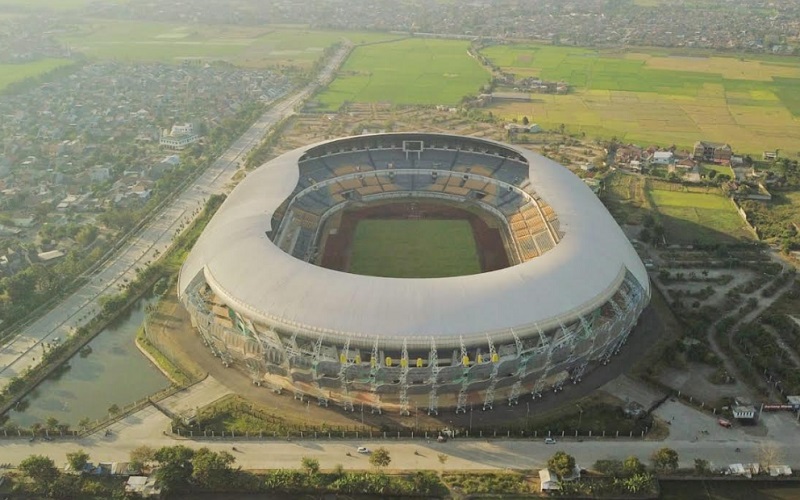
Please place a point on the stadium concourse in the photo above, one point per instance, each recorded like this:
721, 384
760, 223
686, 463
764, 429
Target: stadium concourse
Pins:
257, 294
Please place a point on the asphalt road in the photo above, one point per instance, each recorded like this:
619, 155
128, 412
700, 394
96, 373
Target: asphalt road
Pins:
25, 350
718, 445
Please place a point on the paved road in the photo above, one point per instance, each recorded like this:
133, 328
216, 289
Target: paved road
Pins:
718, 446
26, 349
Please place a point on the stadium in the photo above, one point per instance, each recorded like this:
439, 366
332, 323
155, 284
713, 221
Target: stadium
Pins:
413, 270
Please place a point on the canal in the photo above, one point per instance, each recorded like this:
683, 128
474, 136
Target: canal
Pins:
114, 372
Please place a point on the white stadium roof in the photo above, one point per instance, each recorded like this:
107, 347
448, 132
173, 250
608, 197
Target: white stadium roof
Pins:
251, 274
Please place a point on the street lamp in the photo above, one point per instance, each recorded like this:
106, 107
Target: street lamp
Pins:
580, 416
527, 415
470, 417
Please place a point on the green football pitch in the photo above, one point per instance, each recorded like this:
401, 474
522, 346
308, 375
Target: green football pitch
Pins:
414, 249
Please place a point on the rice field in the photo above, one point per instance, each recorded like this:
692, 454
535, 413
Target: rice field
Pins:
11, 73
659, 98
246, 46
410, 71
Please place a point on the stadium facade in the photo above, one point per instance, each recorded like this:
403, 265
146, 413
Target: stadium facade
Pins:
568, 301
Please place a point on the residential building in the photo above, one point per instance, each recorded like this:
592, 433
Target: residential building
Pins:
712, 152
179, 137
662, 158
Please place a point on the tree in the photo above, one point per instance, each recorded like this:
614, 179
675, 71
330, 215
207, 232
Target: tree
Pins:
78, 460
768, 455
84, 423
113, 409
609, 467
525, 120
42, 470
51, 423
141, 456
175, 466
639, 483
701, 467
380, 458
310, 465
632, 466
665, 459
562, 463
212, 470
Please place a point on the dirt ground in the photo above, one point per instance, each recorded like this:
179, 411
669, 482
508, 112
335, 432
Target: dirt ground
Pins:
337, 247
693, 380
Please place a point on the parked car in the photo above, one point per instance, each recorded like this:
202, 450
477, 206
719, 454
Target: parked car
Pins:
363, 449
724, 423
549, 441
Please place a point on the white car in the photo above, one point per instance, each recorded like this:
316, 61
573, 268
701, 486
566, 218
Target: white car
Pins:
362, 449
549, 441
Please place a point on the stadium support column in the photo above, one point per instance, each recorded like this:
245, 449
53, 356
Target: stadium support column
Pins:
461, 405
488, 401
292, 351
549, 347
620, 320
433, 362
375, 364
577, 373
344, 363
513, 397
322, 398
404, 380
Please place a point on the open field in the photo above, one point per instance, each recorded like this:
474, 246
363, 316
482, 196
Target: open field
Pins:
10, 73
624, 197
694, 217
414, 248
410, 71
661, 98
247, 46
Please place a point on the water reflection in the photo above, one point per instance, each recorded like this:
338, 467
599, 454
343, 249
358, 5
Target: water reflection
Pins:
114, 372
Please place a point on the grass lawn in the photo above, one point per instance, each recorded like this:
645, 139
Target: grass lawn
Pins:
661, 97
10, 73
410, 71
414, 249
698, 217
720, 169
247, 46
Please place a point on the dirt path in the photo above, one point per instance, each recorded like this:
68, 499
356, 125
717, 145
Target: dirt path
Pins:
763, 304
778, 340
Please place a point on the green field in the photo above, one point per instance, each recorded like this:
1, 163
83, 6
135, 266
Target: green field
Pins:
414, 249
410, 71
10, 73
693, 217
247, 46
661, 97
